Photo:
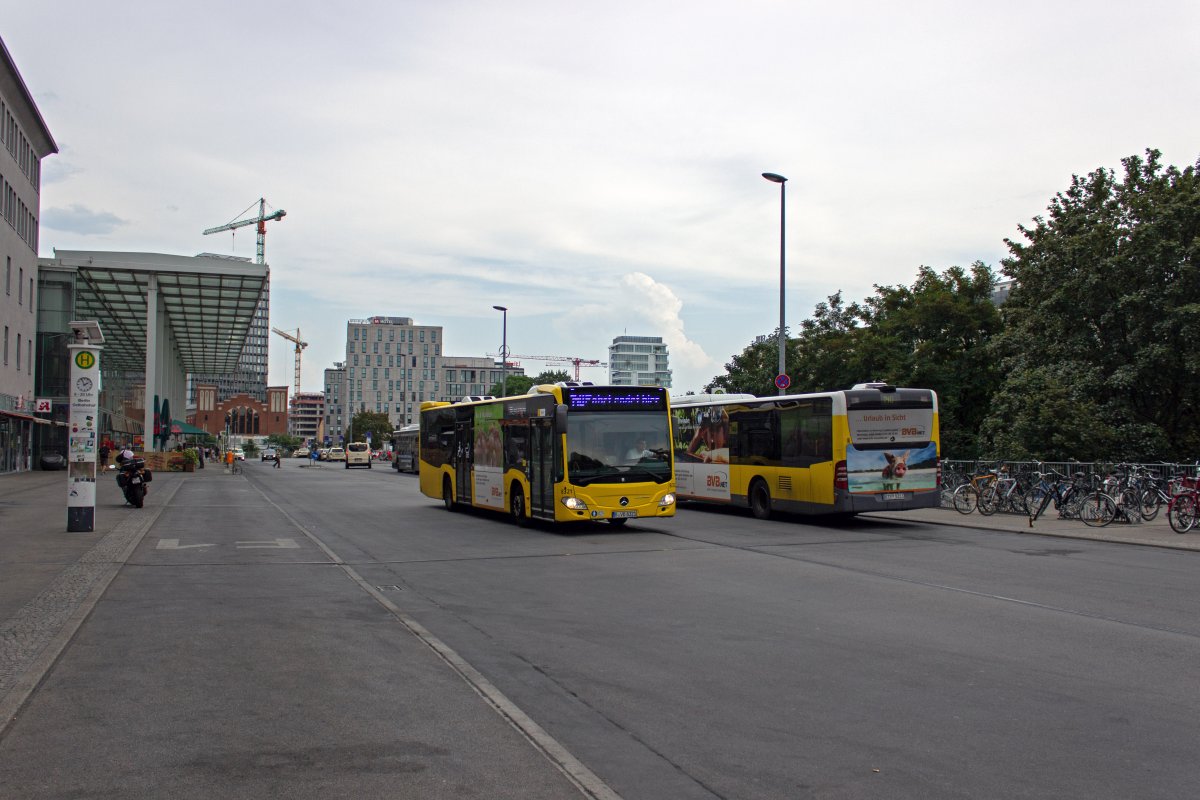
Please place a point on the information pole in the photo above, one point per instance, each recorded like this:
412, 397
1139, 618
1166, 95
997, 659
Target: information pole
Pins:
84, 432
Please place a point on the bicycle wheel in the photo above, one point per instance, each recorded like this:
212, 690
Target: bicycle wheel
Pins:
1097, 510
989, 498
1149, 504
965, 499
1036, 500
1181, 513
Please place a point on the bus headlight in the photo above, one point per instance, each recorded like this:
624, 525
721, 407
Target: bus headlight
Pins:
668, 499
574, 503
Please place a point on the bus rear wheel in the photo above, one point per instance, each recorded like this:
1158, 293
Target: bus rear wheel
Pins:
447, 494
760, 499
516, 505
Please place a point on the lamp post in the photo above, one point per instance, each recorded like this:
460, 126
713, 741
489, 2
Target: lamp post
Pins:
781, 379
503, 350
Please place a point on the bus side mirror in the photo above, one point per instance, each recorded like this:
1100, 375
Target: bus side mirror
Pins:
560, 418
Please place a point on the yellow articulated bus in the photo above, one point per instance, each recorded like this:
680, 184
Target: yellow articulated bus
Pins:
871, 448
564, 453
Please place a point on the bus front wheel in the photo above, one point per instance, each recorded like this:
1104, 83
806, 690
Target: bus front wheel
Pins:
760, 499
447, 494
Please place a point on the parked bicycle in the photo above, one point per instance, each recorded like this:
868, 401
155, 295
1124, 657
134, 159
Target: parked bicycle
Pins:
966, 497
1184, 506
1054, 487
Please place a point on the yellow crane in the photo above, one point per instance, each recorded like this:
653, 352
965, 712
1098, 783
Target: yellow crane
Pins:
299, 349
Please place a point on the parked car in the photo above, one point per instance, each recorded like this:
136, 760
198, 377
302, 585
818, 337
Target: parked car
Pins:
301, 452
336, 454
53, 461
268, 454
239, 454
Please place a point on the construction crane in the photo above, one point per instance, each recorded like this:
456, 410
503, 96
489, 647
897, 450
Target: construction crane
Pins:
261, 220
299, 349
578, 362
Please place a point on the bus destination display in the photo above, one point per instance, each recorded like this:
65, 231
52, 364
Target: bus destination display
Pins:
609, 399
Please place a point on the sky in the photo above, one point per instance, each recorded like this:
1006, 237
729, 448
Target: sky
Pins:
593, 166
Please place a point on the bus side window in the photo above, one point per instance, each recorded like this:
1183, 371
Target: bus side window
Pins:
516, 445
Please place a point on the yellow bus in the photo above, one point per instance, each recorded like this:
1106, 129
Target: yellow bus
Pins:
870, 448
565, 452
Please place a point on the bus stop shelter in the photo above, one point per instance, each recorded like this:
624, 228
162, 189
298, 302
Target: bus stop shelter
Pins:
165, 316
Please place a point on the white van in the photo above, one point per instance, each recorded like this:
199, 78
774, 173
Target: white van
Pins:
358, 454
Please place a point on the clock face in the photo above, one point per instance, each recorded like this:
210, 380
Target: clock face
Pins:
84, 384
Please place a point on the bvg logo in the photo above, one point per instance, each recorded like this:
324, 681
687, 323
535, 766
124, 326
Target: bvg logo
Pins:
718, 481
910, 431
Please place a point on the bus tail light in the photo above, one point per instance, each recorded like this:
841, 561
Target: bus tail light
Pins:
841, 478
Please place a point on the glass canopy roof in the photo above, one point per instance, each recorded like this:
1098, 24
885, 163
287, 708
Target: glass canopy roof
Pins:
209, 300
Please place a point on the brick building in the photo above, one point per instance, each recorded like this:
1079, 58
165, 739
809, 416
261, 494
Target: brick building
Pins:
248, 416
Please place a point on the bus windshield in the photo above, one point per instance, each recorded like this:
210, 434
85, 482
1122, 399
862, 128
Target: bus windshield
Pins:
618, 447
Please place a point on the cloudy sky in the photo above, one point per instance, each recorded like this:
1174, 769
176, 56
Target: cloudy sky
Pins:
594, 166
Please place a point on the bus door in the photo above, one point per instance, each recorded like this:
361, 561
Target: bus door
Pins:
464, 440
541, 468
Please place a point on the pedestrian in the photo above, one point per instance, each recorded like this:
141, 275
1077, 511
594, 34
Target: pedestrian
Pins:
104, 456
200, 456
276, 459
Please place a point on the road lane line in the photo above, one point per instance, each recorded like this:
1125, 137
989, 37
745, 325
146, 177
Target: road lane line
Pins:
587, 782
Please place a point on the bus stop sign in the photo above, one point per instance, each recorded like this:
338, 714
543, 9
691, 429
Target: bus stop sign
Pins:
782, 381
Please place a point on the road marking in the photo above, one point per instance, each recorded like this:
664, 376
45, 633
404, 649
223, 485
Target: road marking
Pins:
587, 782
173, 544
273, 544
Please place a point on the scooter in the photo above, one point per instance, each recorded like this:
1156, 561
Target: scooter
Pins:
132, 478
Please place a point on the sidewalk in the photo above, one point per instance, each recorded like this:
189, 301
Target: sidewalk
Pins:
1156, 533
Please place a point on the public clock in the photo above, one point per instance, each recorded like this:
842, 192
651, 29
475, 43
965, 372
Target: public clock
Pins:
84, 384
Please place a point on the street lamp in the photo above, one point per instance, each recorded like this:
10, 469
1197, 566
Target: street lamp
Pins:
503, 350
771, 176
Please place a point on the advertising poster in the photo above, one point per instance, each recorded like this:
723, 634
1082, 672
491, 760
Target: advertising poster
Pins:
901, 469
489, 456
702, 453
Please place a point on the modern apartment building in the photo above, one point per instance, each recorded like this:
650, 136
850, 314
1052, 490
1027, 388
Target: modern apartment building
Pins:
336, 421
391, 367
463, 376
638, 361
24, 142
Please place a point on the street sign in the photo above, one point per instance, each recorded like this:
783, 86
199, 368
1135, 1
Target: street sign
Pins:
43, 405
782, 381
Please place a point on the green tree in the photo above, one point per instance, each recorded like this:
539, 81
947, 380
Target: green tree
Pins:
283, 441
379, 426
933, 334
520, 384
1102, 320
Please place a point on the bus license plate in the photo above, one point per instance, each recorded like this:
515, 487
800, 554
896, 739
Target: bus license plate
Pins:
896, 496
619, 514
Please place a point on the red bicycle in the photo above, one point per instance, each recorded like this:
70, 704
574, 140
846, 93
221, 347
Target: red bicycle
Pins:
1181, 512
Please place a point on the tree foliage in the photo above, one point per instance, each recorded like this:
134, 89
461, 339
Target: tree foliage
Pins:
1102, 321
520, 384
378, 424
1094, 355
929, 334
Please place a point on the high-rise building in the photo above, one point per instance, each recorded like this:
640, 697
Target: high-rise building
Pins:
336, 421
391, 368
638, 361
250, 377
465, 376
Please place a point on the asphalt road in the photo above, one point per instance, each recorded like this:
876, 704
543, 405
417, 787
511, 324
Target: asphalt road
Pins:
332, 633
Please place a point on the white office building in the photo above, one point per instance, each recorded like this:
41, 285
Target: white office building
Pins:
639, 361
